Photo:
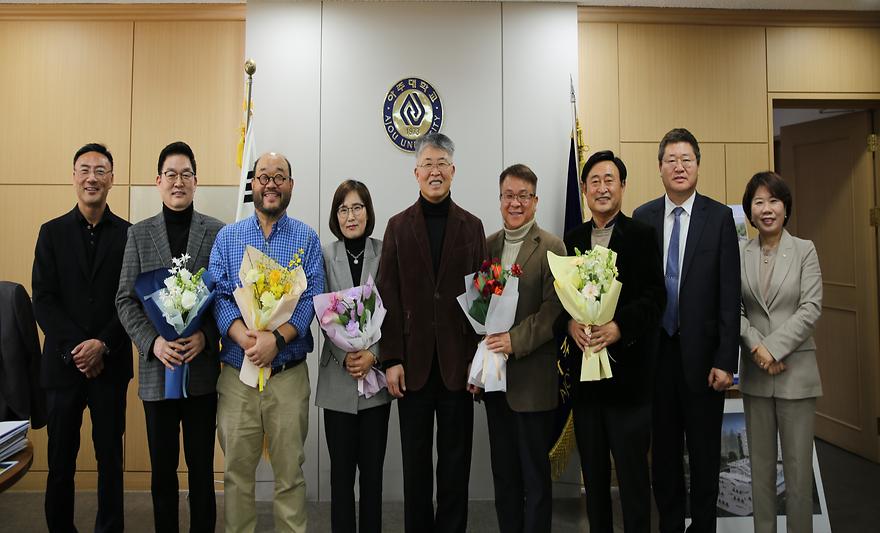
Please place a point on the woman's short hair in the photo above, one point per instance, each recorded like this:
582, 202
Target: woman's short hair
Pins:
777, 187
342, 191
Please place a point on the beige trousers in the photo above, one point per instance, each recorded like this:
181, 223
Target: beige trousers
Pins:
244, 416
793, 420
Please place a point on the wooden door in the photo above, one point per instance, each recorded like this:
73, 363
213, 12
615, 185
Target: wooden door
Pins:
832, 176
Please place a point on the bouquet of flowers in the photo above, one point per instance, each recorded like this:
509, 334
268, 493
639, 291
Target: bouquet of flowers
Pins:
489, 303
352, 320
175, 300
266, 298
587, 287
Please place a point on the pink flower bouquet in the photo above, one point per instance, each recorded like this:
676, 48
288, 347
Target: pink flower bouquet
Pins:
352, 321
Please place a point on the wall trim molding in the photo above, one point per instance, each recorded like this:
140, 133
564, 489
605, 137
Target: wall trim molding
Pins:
729, 17
123, 12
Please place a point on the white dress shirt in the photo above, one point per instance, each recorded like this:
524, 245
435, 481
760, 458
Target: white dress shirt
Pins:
684, 222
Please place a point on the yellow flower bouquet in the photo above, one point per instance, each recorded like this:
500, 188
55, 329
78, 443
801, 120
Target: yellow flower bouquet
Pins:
266, 298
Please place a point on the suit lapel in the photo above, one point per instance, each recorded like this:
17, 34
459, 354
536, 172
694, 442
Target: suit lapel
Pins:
529, 245
656, 220
420, 236
105, 241
695, 229
751, 256
453, 224
340, 268
159, 236
371, 261
194, 241
616, 232
781, 266
79, 248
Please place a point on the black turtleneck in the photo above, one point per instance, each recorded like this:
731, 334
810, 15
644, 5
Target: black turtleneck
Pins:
177, 225
354, 248
435, 223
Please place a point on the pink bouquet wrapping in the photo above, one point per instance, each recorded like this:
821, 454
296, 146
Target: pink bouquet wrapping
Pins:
352, 321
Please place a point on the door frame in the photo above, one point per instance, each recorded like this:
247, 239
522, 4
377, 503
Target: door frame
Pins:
870, 101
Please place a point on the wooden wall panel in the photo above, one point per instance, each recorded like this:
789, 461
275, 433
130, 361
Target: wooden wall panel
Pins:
823, 59
643, 181
188, 85
598, 104
741, 162
64, 84
711, 80
24, 208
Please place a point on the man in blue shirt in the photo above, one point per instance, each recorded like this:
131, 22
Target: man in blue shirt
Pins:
281, 410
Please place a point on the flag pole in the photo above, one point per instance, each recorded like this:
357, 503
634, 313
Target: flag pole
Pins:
250, 67
578, 135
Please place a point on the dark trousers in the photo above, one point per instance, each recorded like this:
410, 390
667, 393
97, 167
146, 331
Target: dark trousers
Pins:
356, 442
455, 424
623, 431
65, 406
683, 416
520, 444
198, 416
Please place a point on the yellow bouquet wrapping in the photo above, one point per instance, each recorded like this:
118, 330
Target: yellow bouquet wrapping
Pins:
588, 289
267, 298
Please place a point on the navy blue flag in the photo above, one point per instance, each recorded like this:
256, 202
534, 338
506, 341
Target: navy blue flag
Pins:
573, 214
146, 285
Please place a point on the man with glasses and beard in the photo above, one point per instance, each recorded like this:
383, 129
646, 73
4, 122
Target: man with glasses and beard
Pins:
280, 413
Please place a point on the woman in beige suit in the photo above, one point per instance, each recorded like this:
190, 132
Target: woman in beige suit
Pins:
779, 379
356, 427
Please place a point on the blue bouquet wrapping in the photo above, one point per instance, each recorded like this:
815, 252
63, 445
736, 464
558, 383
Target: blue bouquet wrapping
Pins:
153, 288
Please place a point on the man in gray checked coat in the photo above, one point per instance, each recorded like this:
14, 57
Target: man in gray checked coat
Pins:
152, 243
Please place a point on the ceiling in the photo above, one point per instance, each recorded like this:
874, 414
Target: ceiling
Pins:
832, 5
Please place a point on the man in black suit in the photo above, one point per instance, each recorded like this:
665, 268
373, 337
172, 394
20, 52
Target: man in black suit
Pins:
21, 396
613, 416
698, 340
87, 354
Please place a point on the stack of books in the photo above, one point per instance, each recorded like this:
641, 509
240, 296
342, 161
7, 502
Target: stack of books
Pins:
13, 437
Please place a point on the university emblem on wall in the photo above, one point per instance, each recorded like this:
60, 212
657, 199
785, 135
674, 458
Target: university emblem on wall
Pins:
411, 109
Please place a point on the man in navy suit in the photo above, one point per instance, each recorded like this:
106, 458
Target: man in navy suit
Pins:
700, 326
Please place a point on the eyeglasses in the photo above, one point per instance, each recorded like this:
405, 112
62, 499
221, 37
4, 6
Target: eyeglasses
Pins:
355, 210
523, 197
686, 162
442, 166
186, 176
277, 179
97, 172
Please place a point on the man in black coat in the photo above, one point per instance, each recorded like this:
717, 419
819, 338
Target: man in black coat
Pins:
21, 396
699, 336
87, 354
614, 415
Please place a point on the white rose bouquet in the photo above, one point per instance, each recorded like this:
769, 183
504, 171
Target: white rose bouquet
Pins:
175, 300
588, 289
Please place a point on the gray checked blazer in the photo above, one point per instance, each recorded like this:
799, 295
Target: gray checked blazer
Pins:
337, 390
784, 324
147, 249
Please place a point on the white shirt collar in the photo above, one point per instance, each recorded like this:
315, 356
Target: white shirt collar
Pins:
687, 205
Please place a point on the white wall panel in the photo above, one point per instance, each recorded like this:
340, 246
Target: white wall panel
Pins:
502, 72
540, 60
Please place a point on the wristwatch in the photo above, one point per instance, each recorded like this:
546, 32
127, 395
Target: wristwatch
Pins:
279, 340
